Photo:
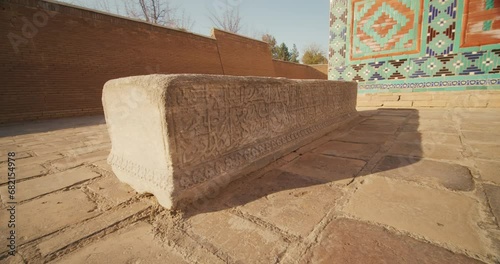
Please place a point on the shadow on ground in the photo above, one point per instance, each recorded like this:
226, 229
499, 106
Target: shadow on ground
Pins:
362, 148
42, 126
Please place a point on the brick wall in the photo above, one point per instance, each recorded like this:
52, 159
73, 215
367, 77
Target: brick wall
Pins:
297, 71
61, 70
55, 58
320, 67
243, 56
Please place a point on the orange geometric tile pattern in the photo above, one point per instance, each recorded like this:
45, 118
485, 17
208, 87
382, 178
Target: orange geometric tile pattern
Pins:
481, 23
383, 28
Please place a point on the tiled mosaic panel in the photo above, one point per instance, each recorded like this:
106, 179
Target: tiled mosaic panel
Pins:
441, 29
384, 27
481, 22
446, 65
338, 33
441, 61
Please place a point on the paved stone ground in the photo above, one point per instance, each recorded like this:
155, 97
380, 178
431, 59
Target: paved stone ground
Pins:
395, 186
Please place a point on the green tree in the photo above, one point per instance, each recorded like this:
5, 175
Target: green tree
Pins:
283, 53
294, 56
314, 55
272, 44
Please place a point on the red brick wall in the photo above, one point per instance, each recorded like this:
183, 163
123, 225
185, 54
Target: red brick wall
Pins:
297, 71
55, 63
320, 67
61, 70
243, 56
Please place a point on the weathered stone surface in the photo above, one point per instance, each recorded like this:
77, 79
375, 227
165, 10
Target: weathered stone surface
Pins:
348, 150
435, 151
294, 203
452, 176
238, 238
45, 149
426, 126
493, 196
325, 168
103, 165
429, 138
88, 228
489, 170
388, 129
135, 246
441, 216
17, 259
43, 185
77, 160
481, 137
40, 217
23, 172
350, 241
205, 130
112, 190
486, 151
365, 137
475, 125
19, 154
381, 121
37, 160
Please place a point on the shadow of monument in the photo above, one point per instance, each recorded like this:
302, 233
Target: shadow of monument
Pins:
41, 126
333, 161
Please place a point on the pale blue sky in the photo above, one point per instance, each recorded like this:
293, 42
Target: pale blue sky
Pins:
297, 22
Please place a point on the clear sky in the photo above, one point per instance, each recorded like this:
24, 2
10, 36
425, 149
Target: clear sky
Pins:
297, 22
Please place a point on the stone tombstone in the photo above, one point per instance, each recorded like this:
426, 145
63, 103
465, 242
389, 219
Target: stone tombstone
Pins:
184, 137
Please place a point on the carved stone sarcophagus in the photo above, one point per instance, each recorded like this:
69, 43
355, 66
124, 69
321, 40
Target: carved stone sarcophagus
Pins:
184, 137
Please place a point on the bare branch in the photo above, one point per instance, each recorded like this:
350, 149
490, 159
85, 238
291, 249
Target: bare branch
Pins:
226, 17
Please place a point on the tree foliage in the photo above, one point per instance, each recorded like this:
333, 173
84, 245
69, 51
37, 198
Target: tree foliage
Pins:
281, 52
314, 55
294, 56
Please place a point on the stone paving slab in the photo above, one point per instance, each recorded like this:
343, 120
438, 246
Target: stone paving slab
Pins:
395, 186
90, 227
135, 245
24, 171
325, 168
452, 176
429, 138
489, 170
348, 150
486, 151
111, 190
493, 195
444, 217
41, 217
350, 241
365, 137
238, 239
289, 199
434, 151
49, 183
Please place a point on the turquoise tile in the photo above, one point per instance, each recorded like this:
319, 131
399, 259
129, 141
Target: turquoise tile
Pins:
420, 90
436, 89
454, 89
475, 88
